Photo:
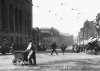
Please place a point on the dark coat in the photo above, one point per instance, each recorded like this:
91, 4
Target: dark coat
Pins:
33, 48
54, 46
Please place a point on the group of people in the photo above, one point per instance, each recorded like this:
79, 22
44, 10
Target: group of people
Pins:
6, 47
3, 46
41, 47
54, 46
31, 49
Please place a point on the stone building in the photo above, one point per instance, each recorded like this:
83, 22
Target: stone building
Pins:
49, 35
97, 24
36, 35
87, 31
16, 21
45, 36
66, 39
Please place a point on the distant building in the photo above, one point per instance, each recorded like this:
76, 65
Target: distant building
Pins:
16, 21
49, 35
97, 24
36, 35
66, 39
87, 31
45, 36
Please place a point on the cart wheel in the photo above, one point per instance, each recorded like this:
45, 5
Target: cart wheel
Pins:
19, 61
14, 61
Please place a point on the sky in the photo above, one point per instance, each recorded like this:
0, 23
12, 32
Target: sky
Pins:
68, 16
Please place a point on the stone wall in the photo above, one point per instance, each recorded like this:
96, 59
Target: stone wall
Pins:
16, 21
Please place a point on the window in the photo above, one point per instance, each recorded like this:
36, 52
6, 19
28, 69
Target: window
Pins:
11, 25
12, 39
25, 22
28, 22
3, 14
20, 20
16, 19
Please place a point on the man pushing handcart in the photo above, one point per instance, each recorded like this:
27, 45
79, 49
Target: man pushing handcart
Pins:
27, 56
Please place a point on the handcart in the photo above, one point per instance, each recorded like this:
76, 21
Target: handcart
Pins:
20, 57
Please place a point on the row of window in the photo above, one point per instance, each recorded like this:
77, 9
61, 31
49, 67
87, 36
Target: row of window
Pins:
13, 19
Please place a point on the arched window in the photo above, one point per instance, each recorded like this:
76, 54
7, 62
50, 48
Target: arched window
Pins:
25, 21
16, 19
20, 20
28, 22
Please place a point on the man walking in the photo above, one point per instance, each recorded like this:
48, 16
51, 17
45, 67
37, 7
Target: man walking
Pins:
54, 46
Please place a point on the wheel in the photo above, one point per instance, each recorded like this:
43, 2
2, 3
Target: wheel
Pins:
14, 61
19, 61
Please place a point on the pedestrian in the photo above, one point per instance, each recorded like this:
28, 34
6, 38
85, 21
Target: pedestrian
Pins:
44, 47
39, 48
32, 54
3, 46
54, 46
63, 48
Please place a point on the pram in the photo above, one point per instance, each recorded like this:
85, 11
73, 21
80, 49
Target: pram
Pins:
20, 58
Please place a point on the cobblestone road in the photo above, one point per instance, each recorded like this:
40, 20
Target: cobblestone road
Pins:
46, 62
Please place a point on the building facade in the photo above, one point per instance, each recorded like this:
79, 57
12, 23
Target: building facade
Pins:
66, 39
97, 24
36, 35
45, 36
87, 31
49, 35
16, 21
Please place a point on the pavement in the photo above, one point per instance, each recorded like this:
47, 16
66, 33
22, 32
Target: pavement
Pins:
60, 62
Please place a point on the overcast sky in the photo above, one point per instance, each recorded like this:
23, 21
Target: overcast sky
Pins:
67, 16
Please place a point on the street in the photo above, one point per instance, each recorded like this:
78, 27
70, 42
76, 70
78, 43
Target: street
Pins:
60, 62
